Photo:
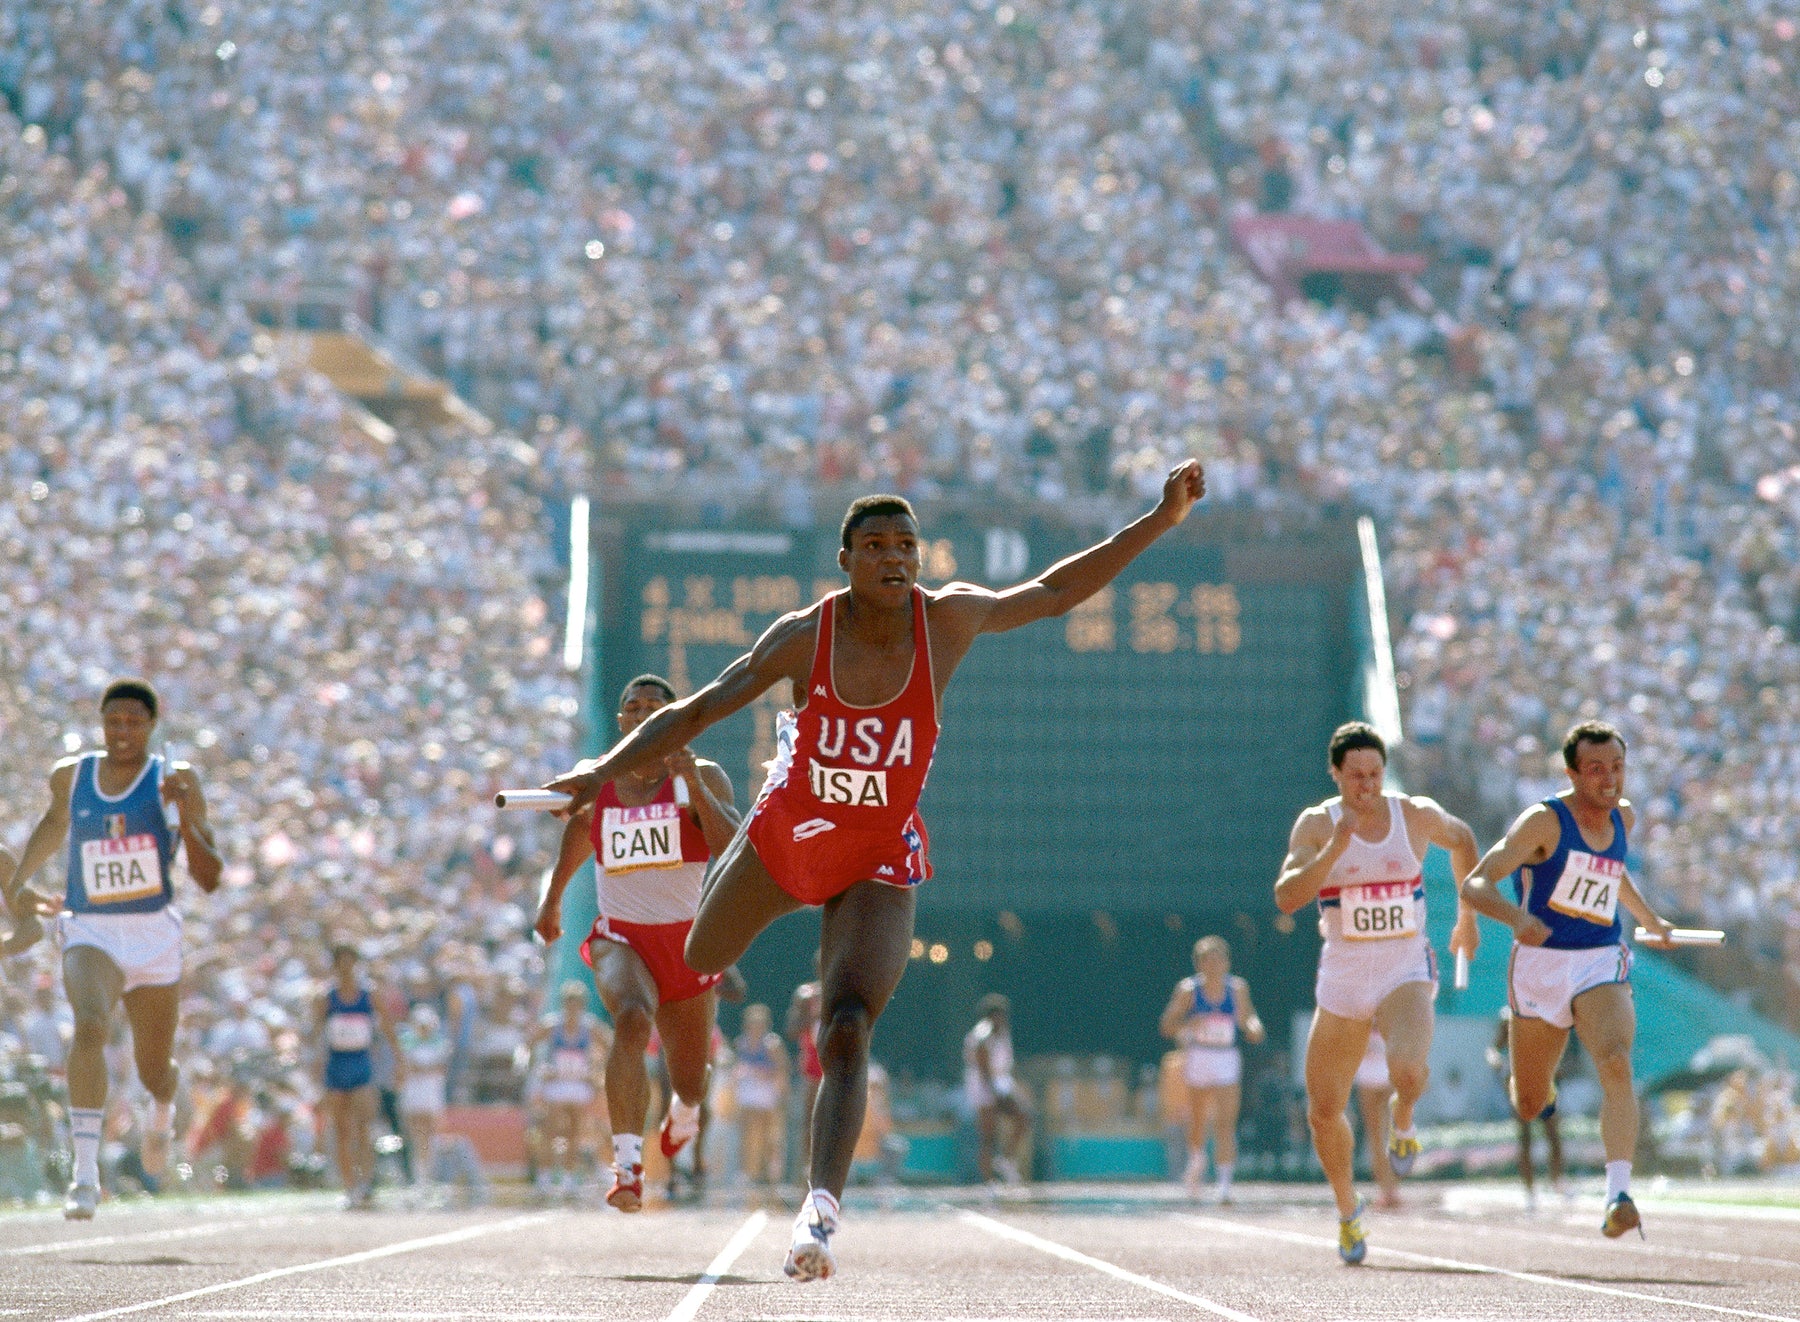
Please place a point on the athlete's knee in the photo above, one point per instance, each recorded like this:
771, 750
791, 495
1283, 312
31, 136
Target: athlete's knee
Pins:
1529, 1100
847, 1028
1409, 1076
1321, 1114
631, 1026
1612, 1064
702, 953
90, 1032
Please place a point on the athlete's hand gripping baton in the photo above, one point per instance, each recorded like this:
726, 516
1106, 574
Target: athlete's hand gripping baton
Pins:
531, 800
1682, 936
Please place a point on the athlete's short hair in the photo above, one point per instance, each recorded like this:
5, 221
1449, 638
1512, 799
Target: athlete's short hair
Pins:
1588, 732
342, 948
647, 681
1352, 735
140, 690
869, 507
991, 1004
1206, 943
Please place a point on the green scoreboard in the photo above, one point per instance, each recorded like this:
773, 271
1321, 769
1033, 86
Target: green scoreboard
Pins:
1147, 752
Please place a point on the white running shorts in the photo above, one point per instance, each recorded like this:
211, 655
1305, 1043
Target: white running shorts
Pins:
567, 1092
1355, 977
1543, 983
1212, 1067
145, 946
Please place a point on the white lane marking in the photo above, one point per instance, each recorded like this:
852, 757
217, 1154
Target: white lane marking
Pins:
146, 1237
352, 1315
1649, 1250
324, 1264
1067, 1254
689, 1307
1482, 1268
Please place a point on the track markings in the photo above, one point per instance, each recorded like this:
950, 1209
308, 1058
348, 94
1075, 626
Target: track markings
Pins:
1067, 1254
324, 1264
145, 1237
1482, 1268
689, 1307
1654, 1251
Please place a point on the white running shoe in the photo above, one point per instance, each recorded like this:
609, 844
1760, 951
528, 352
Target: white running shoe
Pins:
81, 1202
809, 1256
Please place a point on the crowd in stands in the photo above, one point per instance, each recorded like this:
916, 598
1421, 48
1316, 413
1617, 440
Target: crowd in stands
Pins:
755, 251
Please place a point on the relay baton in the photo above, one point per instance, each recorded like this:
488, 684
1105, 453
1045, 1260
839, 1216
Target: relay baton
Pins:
1684, 936
1461, 977
681, 792
171, 809
531, 800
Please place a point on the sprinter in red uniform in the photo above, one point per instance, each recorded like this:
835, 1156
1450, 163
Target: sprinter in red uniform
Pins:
837, 823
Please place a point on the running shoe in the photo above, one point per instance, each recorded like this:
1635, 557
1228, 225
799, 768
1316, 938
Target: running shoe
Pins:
626, 1194
155, 1153
1403, 1149
1353, 1245
1622, 1215
81, 1203
809, 1256
674, 1139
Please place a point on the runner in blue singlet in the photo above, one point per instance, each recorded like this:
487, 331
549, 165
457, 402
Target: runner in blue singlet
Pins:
1570, 967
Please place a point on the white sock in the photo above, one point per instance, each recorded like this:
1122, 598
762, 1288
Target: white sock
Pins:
162, 1117
1225, 1172
684, 1117
84, 1129
1618, 1179
628, 1151
1196, 1163
827, 1206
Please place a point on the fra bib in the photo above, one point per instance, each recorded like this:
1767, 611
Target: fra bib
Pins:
1589, 888
114, 871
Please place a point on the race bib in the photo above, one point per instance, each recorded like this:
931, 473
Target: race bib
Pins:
1379, 911
349, 1032
1589, 888
1213, 1029
848, 786
570, 1065
114, 871
637, 838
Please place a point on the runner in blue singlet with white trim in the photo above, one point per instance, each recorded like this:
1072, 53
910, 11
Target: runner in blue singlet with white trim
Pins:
120, 934
1570, 967
348, 1023
1205, 1014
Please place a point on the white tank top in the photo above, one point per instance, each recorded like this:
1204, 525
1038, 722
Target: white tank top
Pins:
1375, 891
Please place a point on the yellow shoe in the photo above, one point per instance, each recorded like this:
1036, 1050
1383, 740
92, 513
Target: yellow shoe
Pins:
1353, 1245
1403, 1149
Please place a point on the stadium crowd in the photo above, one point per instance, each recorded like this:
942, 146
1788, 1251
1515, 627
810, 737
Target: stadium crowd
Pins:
751, 252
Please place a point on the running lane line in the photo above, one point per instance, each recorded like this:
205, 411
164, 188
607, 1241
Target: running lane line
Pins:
197, 1231
324, 1264
1482, 1268
689, 1307
1003, 1231
1547, 1236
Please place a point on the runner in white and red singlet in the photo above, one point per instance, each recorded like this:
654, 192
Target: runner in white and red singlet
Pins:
650, 830
837, 823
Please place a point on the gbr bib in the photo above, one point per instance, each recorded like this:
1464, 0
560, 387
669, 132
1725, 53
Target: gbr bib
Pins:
1379, 911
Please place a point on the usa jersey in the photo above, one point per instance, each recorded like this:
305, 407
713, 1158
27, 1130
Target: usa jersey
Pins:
120, 846
1575, 891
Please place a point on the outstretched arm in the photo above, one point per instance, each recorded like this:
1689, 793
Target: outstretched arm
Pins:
1452, 834
46, 837
784, 650
1529, 840
1069, 582
577, 847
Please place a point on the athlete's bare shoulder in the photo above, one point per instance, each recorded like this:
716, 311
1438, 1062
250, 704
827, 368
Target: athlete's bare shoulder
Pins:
1536, 826
1314, 821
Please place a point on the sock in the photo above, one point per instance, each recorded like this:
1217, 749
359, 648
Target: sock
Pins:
162, 1117
1618, 1179
1225, 1172
628, 1151
684, 1117
84, 1128
1196, 1163
827, 1207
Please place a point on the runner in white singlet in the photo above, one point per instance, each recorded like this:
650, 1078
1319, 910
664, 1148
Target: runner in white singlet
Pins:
1359, 856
